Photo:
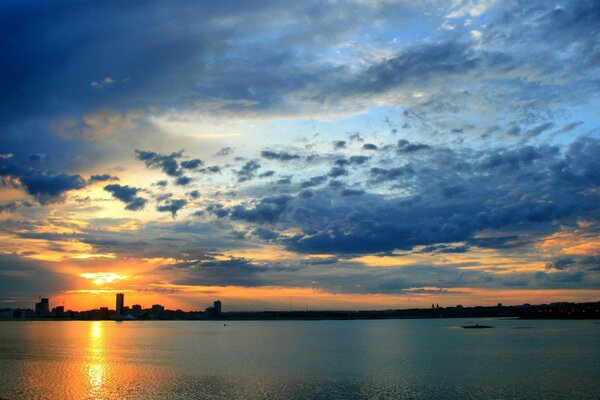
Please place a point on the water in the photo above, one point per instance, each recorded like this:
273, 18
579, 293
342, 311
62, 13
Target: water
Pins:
377, 359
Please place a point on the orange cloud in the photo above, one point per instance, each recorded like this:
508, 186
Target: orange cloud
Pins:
571, 242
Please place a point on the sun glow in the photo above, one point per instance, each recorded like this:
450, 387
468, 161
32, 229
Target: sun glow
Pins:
100, 278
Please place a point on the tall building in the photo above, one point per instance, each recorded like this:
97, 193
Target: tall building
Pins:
217, 307
42, 309
214, 311
120, 302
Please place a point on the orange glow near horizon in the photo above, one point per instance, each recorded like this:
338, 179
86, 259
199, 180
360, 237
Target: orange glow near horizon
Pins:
194, 298
100, 278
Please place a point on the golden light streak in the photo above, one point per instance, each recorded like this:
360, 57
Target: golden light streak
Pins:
96, 369
571, 242
100, 278
85, 256
390, 261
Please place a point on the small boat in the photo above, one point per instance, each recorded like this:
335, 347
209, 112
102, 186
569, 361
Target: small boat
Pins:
477, 326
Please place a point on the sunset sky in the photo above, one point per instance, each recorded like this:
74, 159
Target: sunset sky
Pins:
311, 154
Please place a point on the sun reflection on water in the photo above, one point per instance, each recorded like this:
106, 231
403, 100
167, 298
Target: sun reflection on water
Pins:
96, 368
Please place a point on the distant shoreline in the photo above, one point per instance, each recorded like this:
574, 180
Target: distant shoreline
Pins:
553, 311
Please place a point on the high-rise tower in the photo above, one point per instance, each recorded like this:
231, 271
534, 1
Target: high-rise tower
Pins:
120, 302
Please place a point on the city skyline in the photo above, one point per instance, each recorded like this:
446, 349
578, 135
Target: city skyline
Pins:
320, 155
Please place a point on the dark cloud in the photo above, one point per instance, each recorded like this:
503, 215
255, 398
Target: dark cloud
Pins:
266, 174
442, 248
533, 132
267, 210
383, 175
248, 171
339, 144
281, 156
37, 157
45, 186
314, 181
213, 169
234, 271
172, 206
167, 162
546, 186
191, 164
352, 192
183, 180
404, 146
560, 265
22, 280
13, 206
335, 172
369, 146
353, 160
102, 178
127, 195
305, 194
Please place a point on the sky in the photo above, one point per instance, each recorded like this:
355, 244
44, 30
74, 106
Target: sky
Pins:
299, 155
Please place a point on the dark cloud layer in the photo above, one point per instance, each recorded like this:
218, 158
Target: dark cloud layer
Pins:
450, 195
127, 195
45, 186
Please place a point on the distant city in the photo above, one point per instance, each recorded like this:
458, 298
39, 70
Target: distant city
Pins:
42, 310
121, 312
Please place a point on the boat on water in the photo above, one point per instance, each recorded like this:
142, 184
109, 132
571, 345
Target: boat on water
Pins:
477, 326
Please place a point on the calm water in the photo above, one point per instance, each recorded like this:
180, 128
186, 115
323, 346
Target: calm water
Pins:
391, 359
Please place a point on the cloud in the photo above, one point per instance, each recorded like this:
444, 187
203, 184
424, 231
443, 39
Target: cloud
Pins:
404, 146
313, 181
46, 187
335, 172
352, 192
369, 146
225, 151
546, 186
127, 195
183, 180
168, 163
353, 160
560, 265
339, 144
266, 174
248, 171
234, 271
172, 206
102, 178
267, 210
23, 279
191, 164
382, 175
281, 156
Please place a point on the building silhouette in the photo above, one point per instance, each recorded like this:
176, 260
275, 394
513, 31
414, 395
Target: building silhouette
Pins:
214, 311
42, 309
58, 311
120, 302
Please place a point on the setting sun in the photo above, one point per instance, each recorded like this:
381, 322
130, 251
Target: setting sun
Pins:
100, 278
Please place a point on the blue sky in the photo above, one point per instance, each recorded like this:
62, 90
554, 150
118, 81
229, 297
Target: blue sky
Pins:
350, 154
